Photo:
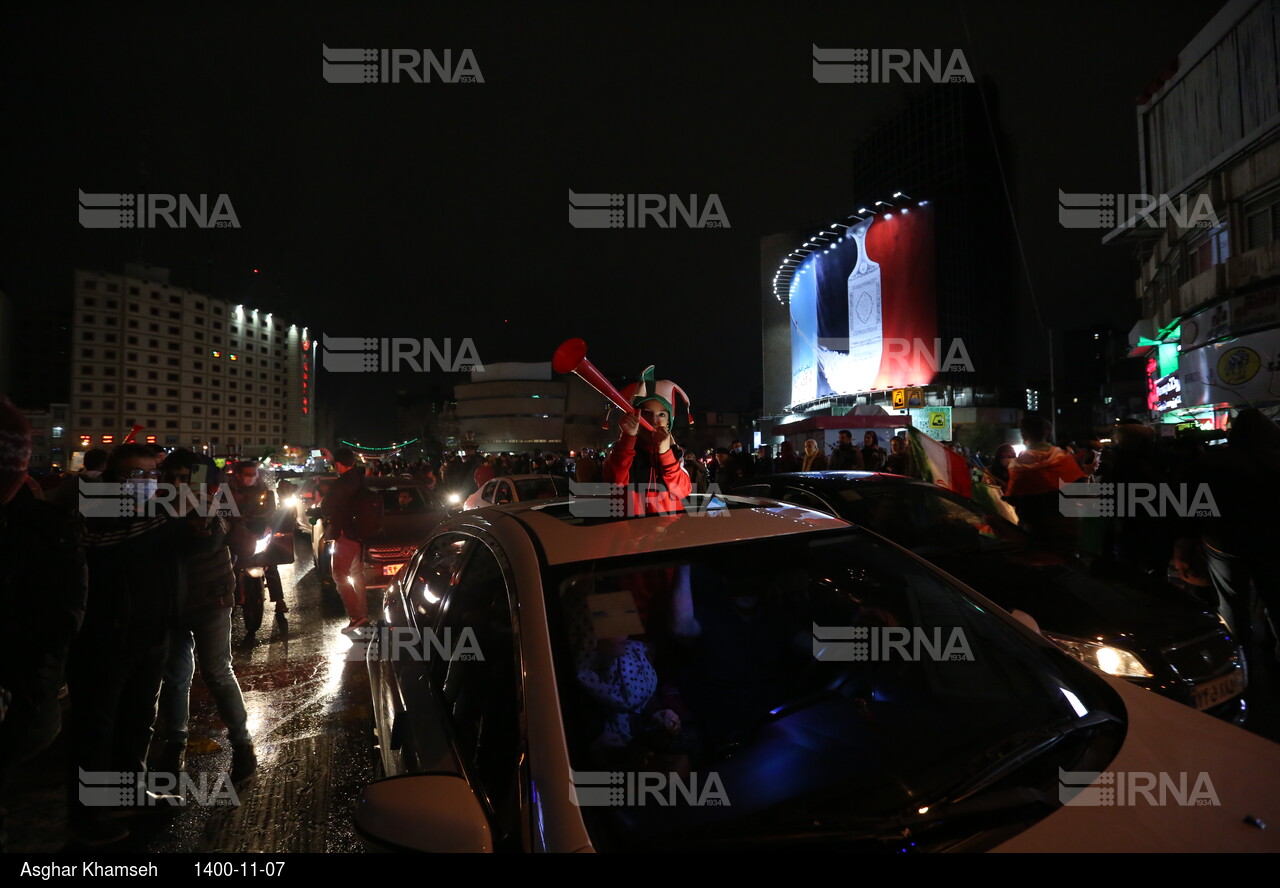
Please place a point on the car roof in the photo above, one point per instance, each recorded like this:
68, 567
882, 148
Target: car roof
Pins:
833, 477
565, 537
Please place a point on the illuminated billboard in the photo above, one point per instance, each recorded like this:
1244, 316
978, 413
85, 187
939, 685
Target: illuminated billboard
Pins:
863, 307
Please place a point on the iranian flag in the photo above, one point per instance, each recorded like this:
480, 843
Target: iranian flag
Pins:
948, 469
935, 463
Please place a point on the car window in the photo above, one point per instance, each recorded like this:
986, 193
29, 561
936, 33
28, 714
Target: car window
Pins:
764, 490
502, 493
478, 682
436, 571
542, 488
486, 493
832, 680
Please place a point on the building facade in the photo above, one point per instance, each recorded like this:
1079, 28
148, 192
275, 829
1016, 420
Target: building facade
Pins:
526, 408
1209, 254
193, 370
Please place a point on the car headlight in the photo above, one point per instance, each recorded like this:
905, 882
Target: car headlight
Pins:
1111, 660
454, 498
289, 502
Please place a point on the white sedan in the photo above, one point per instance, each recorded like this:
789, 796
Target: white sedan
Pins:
755, 675
517, 489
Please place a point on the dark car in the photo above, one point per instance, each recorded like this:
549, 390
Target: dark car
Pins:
410, 511
1141, 629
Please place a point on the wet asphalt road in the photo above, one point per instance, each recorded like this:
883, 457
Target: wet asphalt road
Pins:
310, 718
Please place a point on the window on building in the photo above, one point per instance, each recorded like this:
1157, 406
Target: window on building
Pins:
1262, 220
1207, 250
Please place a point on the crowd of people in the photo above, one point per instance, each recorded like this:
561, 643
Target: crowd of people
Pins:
125, 604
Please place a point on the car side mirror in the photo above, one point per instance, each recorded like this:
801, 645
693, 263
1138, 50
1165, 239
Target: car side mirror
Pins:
435, 813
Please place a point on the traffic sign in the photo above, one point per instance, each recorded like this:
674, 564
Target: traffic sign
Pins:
933, 421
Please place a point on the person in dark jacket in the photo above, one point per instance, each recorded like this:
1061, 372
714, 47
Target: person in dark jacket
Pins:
1242, 525
729, 472
203, 631
117, 663
256, 505
43, 586
873, 455
845, 456
789, 460
339, 510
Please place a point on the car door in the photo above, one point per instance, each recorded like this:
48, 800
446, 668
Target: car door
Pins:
407, 724
477, 683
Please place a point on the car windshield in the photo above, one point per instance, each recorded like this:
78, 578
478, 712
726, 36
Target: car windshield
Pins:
402, 499
542, 488
916, 515
824, 685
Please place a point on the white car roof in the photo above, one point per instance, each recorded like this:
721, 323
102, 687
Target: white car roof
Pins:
566, 538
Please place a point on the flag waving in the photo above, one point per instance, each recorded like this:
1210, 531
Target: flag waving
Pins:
948, 469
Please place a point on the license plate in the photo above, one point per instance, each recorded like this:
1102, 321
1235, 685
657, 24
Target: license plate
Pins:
1211, 693
390, 570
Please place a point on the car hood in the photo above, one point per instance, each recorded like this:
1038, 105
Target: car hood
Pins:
1242, 772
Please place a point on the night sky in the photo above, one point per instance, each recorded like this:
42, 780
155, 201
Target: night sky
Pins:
438, 210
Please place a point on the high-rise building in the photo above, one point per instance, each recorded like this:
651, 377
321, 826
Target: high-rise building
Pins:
193, 370
910, 290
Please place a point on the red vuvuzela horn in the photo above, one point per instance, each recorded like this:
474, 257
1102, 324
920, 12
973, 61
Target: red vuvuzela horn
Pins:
571, 357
